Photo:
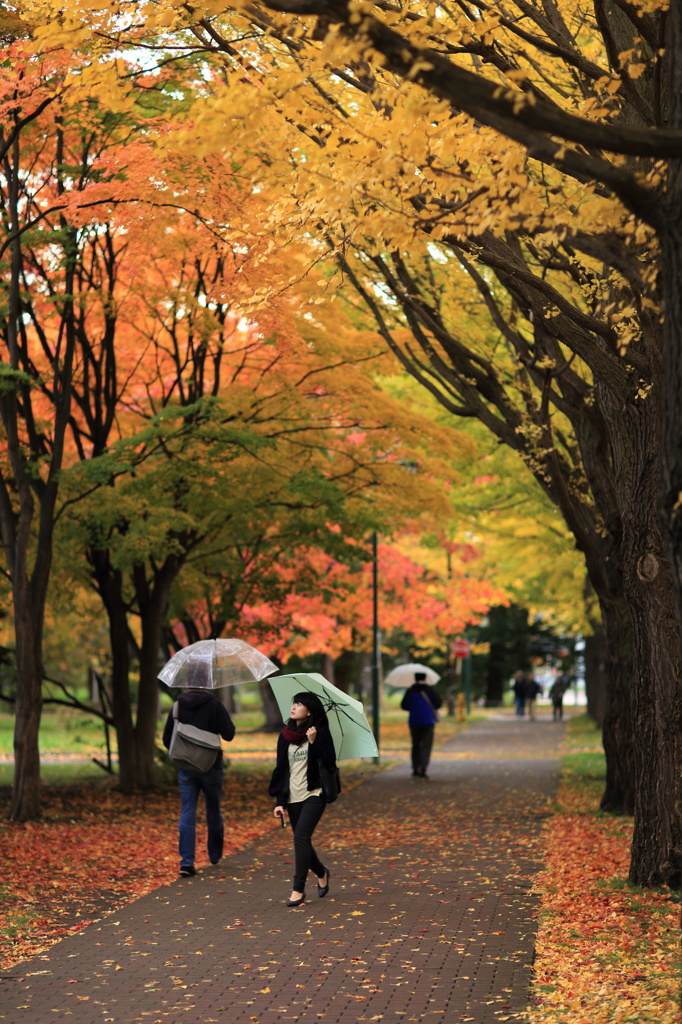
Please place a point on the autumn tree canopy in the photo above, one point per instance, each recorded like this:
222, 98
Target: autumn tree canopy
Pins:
500, 190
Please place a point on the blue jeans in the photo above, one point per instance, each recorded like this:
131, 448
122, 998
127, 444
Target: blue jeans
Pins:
190, 786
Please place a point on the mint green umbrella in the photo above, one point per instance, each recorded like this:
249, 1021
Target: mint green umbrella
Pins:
350, 729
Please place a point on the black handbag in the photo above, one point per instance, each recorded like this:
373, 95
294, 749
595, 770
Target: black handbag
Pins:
331, 782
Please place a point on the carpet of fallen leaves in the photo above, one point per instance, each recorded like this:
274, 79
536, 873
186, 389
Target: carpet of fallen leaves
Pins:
96, 849
607, 953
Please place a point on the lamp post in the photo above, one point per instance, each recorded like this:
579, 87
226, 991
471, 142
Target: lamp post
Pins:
376, 647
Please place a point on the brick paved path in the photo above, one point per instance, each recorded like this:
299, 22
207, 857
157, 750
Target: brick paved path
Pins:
429, 916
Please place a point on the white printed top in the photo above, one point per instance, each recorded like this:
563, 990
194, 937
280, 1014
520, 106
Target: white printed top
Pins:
298, 773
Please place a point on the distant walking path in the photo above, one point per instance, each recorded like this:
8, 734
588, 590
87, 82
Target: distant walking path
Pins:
429, 915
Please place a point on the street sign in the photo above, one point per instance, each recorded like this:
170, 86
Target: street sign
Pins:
461, 648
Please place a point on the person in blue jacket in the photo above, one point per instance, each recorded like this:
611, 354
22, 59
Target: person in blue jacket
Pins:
422, 703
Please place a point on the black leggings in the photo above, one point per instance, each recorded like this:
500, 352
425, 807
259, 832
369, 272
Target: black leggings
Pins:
304, 817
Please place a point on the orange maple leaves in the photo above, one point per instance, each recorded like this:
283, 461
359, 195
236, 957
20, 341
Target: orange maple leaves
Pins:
606, 953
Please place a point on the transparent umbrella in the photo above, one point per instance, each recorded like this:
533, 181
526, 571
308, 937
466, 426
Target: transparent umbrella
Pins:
350, 729
210, 664
402, 676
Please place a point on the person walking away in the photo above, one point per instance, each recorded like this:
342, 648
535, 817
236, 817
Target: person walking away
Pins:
519, 688
199, 707
422, 703
533, 691
556, 693
296, 785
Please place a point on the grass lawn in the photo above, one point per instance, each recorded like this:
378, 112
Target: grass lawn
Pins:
70, 739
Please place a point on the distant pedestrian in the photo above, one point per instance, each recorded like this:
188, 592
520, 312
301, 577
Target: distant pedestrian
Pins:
519, 688
296, 784
556, 693
422, 703
199, 707
533, 691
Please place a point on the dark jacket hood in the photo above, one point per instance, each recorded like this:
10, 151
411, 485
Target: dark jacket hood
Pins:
195, 699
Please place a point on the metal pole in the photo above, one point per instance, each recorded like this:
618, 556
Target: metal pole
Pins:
376, 654
467, 681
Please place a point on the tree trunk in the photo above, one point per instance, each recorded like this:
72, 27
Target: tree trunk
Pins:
229, 695
152, 602
617, 727
657, 839
25, 805
328, 668
656, 685
122, 710
109, 585
495, 675
670, 235
596, 678
273, 716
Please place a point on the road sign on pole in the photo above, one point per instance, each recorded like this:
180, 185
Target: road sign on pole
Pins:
461, 648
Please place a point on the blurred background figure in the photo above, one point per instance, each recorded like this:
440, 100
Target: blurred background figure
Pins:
533, 691
422, 703
519, 688
556, 693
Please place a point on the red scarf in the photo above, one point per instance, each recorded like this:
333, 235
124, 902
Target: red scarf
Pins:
296, 736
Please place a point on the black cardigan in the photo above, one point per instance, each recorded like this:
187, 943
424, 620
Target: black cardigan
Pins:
321, 750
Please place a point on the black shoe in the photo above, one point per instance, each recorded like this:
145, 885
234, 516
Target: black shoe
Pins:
322, 890
296, 903
216, 861
187, 870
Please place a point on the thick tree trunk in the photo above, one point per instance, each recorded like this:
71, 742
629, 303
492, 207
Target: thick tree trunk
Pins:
25, 804
152, 613
670, 235
657, 839
656, 683
617, 726
273, 716
596, 678
138, 771
109, 583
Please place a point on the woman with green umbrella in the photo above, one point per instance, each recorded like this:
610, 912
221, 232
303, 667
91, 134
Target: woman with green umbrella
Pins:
296, 784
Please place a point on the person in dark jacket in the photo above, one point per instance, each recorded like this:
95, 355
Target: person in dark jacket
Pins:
559, 687
520, 687
198, 706
296, 785
422, 702
533, 691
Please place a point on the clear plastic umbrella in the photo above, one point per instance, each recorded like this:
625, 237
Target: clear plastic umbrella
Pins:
210, 664
350, 729
402, 676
